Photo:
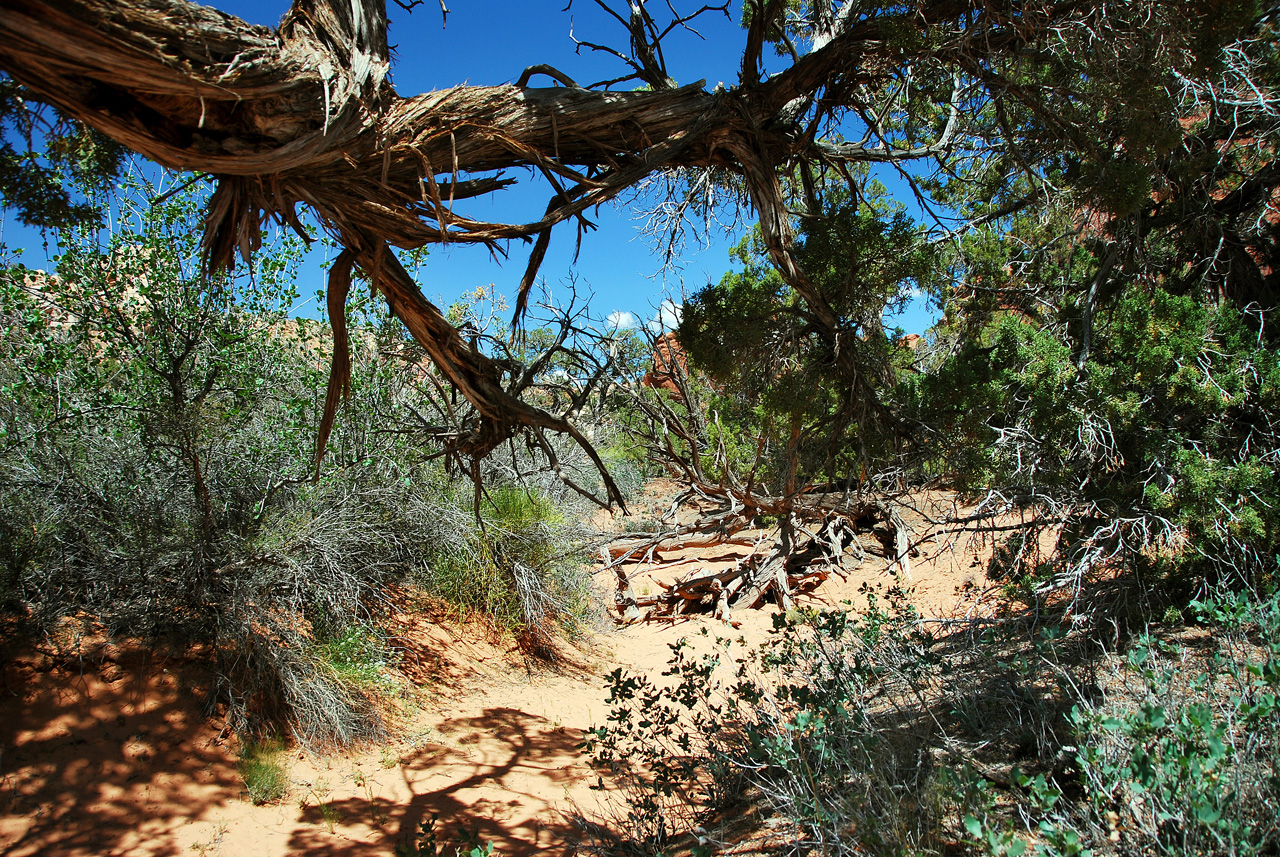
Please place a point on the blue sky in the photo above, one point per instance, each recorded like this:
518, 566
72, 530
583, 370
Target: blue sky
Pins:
492, 42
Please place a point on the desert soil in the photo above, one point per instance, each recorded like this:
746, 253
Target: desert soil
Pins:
104, 751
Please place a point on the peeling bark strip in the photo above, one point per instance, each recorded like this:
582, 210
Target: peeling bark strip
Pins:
340, 365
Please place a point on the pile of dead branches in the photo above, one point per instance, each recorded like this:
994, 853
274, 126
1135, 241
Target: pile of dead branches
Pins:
819, 537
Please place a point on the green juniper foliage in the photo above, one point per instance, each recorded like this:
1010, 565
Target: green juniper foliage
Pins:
775, 370
52, 153
1164, 437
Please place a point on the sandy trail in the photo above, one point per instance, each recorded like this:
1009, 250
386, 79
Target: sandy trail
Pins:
111, 756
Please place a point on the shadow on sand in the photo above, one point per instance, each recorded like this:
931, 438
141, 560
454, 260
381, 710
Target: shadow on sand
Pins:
103, 753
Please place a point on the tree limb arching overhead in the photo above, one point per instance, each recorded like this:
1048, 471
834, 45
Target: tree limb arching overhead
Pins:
304, 115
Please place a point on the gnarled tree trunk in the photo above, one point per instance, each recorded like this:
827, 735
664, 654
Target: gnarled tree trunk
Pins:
304, 115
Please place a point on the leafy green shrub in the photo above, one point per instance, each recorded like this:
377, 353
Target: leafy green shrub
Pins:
868, 734
850, 771
157, 442
262, 769
667, 747
1179, 757
425, 843
990, 831
816, 723
1186, 761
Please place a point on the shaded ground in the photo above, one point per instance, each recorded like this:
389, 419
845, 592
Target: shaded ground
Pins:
104, 751
111, 756
105, 756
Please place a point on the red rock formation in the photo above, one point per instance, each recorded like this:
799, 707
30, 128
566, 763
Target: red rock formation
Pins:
668, 361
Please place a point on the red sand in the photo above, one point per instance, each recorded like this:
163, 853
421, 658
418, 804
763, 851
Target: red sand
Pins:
111, 756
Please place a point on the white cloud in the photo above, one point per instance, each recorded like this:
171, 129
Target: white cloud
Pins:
668, 317
619, 320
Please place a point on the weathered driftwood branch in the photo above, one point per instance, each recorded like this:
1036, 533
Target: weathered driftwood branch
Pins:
305, 116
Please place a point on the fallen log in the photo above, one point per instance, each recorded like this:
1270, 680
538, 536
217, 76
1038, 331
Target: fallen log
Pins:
679, 541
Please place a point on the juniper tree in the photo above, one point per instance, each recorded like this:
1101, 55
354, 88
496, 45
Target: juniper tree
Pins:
996, 96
